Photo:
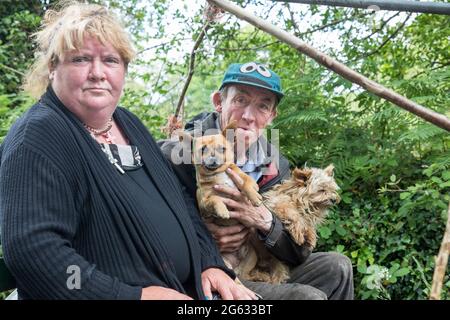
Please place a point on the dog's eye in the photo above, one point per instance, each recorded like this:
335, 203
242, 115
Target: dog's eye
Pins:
204, 149
220, 149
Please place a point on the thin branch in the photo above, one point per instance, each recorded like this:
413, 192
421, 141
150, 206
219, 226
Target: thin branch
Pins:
159, 74
333, 23
381, 27
11, 69
294, 23
432, 69
270, 9
298, 34
168, 91
191, 66
249, 48
161, 45
391, 36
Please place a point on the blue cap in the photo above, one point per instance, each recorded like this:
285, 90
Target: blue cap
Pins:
253, 74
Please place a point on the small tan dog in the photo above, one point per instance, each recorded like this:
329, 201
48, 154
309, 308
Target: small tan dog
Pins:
301, 203
212, 156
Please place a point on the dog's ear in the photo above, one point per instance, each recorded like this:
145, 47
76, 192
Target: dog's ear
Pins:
301, 175
232, 126
329, 170
228, 131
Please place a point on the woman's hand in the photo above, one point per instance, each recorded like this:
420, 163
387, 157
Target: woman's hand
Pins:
241, 208
161, 293
216, 280
228, 238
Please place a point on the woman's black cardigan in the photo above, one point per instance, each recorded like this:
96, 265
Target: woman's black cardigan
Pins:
63, 209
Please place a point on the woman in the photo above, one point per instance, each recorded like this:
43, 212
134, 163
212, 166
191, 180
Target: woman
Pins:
90, 208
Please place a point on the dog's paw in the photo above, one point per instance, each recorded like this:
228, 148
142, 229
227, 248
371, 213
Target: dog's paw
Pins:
255, 198
222, 211
255, 186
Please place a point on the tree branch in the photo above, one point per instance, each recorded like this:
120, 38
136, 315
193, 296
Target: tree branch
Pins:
382, 26
161, 45
294, 24
333, 23
298, 34
391, 36
249, 48
432, 69
11, 69
191, 66
441, 262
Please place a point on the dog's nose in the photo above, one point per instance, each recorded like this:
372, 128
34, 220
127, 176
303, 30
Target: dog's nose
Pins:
212, 162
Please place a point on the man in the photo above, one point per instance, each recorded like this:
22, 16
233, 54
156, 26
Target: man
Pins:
249, 94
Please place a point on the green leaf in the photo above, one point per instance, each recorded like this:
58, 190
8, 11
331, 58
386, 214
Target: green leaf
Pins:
446, 175
392, 163
346, 199
404, 195
341, 231
361, 268
445, 185
394, 268
436, 179
401, 272
392, 279
324, 232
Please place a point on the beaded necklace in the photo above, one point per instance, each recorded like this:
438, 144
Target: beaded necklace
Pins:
104, 132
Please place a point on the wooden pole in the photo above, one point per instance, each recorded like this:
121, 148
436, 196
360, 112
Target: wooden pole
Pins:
441, 262
191, 67
393, 5
175, 121
434, 117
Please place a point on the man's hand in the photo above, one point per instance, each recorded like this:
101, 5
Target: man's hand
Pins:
241, 208
161, 293
216, 280
230, 238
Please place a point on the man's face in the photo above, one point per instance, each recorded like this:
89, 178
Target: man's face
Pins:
253, 108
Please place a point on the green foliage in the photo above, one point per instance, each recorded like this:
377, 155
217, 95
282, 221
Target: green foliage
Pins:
393, 168
395, 229
15, 48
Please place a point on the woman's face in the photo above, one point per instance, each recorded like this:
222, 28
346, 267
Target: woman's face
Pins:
89, 81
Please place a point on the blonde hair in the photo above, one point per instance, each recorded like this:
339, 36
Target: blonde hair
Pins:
64, 30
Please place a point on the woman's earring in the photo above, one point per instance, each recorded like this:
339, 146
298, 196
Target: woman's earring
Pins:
51, 76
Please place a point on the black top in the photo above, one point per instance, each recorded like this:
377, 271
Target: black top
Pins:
142, 186
67, 214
